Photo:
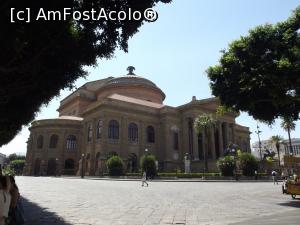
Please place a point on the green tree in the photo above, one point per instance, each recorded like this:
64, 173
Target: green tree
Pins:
204, 123
288, 125
17, 165
276, 140
115, 166
147, 163
248, 164
40, 58
259, 73
8, 171
14, 156
226, 165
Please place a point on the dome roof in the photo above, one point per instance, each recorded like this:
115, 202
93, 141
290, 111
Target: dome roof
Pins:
131, 85
130, 80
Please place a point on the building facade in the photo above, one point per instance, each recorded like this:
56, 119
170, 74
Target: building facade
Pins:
2, 160
126, 116
284, 148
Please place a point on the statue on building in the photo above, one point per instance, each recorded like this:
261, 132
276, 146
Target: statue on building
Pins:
130, 70
187, 163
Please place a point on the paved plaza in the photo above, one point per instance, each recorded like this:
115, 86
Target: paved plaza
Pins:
68, 201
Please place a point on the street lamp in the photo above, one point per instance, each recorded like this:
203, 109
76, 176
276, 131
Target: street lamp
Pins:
82, 158
56, 166
259, 142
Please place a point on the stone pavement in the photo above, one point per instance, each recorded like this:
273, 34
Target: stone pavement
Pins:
61, 201
286, 218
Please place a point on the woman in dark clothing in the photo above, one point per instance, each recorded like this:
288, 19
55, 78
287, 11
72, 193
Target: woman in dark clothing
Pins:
15, 211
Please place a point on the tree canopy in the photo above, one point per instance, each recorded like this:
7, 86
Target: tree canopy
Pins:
259, 73
40, 58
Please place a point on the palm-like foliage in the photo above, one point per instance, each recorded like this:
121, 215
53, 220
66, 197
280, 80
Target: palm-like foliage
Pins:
276, 140
204, 123
288, 125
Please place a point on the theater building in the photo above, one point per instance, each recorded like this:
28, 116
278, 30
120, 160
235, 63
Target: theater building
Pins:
126, 116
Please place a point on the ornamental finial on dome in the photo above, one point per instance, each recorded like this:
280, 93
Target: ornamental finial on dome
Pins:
130, 70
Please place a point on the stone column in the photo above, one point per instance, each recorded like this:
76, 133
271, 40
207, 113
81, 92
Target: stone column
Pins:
204, 150
232, 126
93, 145
185, 138
124, 137
212, 143
226, 134
220, 138
63, 140
195, 144
190, 138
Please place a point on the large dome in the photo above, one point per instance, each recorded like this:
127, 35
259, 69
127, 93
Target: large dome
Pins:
130, 80
133, 86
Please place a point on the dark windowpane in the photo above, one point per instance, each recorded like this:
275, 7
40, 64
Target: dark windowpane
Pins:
53, 141
113, 129
175, 141
71, 142
133, 132
69, 164
150, 134
40, 141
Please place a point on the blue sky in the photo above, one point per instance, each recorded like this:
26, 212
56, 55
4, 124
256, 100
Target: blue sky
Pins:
175, 51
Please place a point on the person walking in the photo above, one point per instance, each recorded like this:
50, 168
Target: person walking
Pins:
274, 177
144, 178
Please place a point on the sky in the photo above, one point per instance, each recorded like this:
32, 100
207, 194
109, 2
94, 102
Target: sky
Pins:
175, 51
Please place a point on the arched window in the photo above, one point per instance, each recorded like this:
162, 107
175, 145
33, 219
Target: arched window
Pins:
150, 134
90, 133
53, 141
99, 129
40, 141
69, 164
132, 132
113, 129
71, 142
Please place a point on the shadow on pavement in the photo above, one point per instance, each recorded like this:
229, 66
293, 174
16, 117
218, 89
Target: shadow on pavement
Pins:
294, 203
36, 215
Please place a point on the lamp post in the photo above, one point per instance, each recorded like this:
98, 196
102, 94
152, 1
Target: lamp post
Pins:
56, 167
82, 158
259, 142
